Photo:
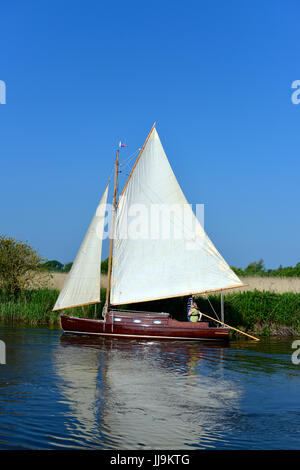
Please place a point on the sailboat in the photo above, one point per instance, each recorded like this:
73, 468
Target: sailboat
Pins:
145, 268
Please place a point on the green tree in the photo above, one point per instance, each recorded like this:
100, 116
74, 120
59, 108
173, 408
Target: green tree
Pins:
238, 271
104, 266
20, 267
53, 265
67, 267
256, 267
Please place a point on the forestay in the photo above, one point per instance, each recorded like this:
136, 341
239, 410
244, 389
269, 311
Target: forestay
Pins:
82, 286
151, 265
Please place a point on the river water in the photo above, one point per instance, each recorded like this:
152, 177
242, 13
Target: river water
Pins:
59, 391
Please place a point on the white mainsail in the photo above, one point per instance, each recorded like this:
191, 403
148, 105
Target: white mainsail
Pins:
148, 267
82, 286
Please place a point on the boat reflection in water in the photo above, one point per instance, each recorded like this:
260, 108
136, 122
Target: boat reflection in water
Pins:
136, 394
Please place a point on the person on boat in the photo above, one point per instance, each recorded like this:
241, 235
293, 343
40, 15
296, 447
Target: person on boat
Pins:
194, 313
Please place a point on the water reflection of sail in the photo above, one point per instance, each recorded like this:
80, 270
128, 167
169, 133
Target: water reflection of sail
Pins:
164, 401
78, 369
150, 395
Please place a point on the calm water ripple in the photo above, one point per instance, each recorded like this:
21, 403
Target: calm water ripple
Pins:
59, 391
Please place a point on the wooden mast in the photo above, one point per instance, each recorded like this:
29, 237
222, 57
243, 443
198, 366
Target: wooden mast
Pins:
112, 231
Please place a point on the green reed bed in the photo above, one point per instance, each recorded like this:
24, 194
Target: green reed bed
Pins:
34, 307
261, 312
264, 313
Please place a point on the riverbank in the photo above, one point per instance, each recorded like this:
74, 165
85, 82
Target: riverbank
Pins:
57, 280
272, 284
261, 313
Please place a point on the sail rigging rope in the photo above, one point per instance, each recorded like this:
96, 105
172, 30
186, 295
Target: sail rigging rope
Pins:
212, 307
124, 165
111, 173
129, 159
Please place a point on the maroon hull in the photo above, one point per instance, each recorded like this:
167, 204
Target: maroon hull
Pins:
143, 325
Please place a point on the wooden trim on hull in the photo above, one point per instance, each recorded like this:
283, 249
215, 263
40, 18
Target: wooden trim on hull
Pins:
115, 335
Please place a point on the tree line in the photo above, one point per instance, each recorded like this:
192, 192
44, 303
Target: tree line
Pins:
55, 266
257, 268
21, 267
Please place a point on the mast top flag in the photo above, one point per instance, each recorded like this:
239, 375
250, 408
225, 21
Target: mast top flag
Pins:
147, 267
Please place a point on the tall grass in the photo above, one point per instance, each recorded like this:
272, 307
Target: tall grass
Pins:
259, 311
256, 311
35, 306
262, 312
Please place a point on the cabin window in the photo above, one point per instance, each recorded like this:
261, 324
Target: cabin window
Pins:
117, 319
137, 321
157, 322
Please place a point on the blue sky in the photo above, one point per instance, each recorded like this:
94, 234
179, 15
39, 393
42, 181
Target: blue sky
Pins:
81, 75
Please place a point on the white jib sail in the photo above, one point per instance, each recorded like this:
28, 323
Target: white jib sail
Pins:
82, 286
148, 262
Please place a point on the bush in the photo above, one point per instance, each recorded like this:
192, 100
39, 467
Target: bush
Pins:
104, 266
53, 265
67, 267
19, 266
